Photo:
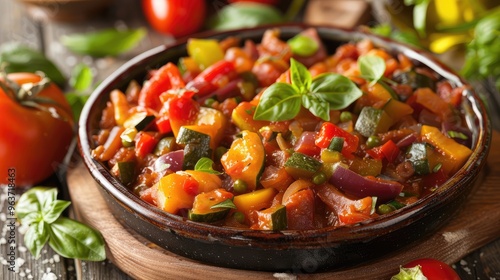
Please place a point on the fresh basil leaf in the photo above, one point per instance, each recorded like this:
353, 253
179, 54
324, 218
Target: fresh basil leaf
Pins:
204, 164
72, 239
383, 29
419, 14
228, 203
108, 42
279, 102
316, 105
303, 45
243, 15
36, 237
339, 91
76, 101
81, 77
300, 76
35, 200
15, 57
55, 210
371, 67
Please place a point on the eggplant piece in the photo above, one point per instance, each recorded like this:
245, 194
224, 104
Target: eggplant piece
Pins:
415, 80
360, 186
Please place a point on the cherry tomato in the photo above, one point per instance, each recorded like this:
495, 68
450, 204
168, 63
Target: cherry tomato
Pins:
175, 17
33, 141
431, 268
268, 2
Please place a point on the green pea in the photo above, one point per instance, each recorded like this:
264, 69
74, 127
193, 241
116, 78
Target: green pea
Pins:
209, 102
373, 141
219, 152
385, 209
319, 178
239, 217
240, 186
345, 116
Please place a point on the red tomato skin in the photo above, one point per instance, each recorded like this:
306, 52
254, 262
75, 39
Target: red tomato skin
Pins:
32, 142
434, 269
175, 17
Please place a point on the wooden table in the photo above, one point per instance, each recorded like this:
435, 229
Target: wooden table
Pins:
17, 25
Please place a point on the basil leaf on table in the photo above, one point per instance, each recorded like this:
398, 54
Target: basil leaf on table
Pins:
36, 237
108, 42
81, 81
81, 77
279, 102
15, 57
41, 211
72, 239
419, 14
241, 15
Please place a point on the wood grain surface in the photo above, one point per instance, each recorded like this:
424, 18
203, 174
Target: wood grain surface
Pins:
473, 226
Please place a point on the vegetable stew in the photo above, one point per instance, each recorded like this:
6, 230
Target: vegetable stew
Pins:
271, 136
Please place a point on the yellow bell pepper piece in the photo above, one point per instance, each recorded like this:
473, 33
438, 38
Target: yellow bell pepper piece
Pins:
457, 153
204, 51
255, 200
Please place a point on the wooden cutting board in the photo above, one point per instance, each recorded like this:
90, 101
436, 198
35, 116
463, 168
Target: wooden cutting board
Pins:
473, 226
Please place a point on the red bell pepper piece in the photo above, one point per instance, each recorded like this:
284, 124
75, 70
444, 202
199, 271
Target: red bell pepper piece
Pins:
389, 150
163, 124
163, 79
213, 77
191, 186
144, 144
329, 130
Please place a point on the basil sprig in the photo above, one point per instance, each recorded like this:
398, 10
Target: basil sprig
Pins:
371, 67
329, 91
41, 210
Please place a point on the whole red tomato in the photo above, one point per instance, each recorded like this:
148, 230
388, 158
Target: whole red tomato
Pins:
33, 141
268, 2
432, 269
175, 17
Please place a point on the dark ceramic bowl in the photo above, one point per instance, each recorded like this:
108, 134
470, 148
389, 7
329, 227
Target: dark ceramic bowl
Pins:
295, 251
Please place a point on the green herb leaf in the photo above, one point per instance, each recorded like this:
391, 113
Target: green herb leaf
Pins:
81, 77
108, 42
303, 45
414, 273
371, 67
15, 57
72, 239
36, 237
76, 101
228, 203
205, 164
243, 15
300, 76
55, 210
339, 91
34, 200
419, 14
279, 102
316, 105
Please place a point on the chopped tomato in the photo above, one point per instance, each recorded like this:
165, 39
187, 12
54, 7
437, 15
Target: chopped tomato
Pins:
329, 130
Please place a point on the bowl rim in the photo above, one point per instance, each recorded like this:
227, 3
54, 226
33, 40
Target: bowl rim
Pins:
353, 233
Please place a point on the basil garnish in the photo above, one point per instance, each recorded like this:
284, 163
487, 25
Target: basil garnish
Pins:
330, 91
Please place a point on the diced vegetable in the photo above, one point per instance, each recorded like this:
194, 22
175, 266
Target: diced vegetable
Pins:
203, 206
372, 121
126, 171
204, 52
196, 146
362, 186
301, 166
456, 153
245, 159
176, 191
300, 210
273, 218
254, 201
329, 130
242, 117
